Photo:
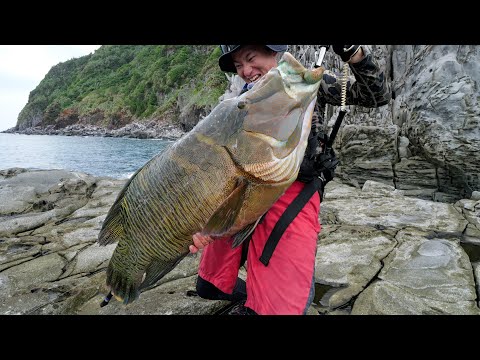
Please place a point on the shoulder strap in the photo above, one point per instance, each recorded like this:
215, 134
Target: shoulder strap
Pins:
287, 217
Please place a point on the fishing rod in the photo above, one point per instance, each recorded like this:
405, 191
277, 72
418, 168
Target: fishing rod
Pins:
343, 109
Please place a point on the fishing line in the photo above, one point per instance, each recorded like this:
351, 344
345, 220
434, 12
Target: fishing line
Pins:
343, 106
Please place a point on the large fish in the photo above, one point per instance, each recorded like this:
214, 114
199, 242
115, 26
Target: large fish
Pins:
219, 179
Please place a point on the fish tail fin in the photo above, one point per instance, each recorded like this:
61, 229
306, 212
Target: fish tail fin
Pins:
127, 289
123, 288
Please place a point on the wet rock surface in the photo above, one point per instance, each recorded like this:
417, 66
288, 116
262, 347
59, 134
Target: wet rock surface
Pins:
379, 252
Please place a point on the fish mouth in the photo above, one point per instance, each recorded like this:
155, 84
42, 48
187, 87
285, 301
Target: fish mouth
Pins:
299, 75
285, 66
277, 120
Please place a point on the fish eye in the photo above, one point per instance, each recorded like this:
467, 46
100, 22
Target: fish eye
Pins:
241, 104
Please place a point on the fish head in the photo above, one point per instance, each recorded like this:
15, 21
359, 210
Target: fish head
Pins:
276, 118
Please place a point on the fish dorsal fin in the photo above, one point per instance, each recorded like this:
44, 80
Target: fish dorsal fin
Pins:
224, 217
243, 234
112, 227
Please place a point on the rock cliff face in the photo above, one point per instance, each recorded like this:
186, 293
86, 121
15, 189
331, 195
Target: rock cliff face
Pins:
427, 140
437, 111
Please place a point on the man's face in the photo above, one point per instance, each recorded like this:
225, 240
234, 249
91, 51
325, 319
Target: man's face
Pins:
253, 61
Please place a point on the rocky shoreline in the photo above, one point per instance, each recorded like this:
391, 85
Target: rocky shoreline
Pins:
379, 252
149, 130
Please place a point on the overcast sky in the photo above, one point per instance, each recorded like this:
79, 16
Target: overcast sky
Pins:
22, 67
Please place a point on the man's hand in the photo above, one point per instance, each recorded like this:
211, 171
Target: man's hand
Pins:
199, 242
349, 53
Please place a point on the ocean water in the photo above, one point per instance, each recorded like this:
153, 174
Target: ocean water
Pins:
99, 156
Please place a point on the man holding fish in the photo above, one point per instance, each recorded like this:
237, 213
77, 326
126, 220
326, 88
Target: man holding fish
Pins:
249, 176
280, 251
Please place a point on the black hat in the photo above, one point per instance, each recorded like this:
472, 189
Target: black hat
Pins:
225, 61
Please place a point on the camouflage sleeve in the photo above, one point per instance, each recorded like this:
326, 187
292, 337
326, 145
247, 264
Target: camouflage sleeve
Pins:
368, 87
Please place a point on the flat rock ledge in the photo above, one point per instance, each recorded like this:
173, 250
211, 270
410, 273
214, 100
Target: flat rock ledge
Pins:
379, 252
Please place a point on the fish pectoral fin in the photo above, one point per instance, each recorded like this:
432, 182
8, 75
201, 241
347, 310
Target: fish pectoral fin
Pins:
243, 234
227, 212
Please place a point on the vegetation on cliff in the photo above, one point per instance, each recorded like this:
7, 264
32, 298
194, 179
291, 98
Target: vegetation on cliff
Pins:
119, 84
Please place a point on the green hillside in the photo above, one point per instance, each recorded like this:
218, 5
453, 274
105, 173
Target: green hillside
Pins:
119, 84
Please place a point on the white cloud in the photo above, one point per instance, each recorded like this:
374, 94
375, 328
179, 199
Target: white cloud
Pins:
11, 103
22, 67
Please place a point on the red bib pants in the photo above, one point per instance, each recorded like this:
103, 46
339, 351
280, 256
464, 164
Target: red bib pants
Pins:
286, 285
